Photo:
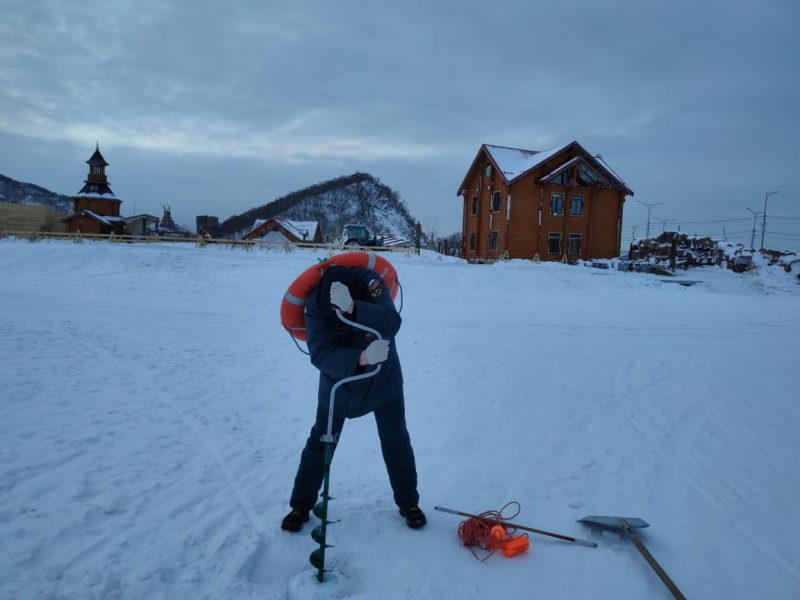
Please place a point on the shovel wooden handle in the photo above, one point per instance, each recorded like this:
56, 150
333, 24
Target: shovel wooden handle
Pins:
652, 561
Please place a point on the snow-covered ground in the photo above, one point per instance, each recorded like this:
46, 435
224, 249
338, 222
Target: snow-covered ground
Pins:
153, 411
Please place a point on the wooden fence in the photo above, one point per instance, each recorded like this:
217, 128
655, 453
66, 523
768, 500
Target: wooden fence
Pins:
198, 240
30, 217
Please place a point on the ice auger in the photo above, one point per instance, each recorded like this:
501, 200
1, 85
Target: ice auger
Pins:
319, 533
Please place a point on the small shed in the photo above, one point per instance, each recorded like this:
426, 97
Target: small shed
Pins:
141, 225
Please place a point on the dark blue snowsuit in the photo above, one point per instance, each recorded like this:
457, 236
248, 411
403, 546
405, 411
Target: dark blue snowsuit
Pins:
334, 348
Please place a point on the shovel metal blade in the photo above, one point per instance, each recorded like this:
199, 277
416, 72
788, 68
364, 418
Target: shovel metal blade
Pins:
615, 522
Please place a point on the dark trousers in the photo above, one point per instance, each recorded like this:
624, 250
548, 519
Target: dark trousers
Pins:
395, 446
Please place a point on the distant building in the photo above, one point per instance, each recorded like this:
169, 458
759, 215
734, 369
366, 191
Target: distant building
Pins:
206, 224
168, 227
95, 207
295, 231
141, 225
557, 204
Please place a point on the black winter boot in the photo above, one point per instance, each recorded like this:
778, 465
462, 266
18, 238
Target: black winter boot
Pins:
415, 518
295, 519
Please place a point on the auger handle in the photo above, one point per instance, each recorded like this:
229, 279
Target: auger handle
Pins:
328, 437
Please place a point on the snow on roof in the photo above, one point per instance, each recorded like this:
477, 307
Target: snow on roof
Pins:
302, 230
109, 196
513, 162
144, 217
108, 219
105, 219
558, 169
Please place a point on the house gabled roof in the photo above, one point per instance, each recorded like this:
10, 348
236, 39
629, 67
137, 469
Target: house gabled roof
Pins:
104, 219
143, 217
301, 230
96, 189
513, 163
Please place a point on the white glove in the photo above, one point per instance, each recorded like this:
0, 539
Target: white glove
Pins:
340, 296
376, 352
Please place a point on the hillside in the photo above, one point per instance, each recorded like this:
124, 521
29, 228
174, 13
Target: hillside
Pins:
356, 198
28, 193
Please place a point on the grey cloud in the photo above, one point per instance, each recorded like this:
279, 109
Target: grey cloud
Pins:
680, 95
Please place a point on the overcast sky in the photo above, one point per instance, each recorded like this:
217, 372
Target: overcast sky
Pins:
217, 107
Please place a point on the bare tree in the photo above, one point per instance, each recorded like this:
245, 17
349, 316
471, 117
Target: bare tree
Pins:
431, 233
453, 246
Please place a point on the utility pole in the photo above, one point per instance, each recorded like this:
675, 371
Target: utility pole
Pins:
753, 237
663, 223
649, 206
764, 219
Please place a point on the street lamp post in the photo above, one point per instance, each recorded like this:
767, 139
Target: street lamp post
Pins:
764, 219
649, 206
753, 237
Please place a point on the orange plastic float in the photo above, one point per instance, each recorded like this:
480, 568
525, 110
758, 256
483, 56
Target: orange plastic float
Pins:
293, 305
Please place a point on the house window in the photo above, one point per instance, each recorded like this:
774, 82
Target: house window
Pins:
474, 205
496, 202
574, 243
564, 178
472, 241
495, 241
554, 243
576, 207
557, 204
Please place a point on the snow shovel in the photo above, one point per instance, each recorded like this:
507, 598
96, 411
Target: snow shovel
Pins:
628, 524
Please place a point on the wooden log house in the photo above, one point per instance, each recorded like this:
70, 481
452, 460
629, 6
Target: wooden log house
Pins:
558, 204
294, 231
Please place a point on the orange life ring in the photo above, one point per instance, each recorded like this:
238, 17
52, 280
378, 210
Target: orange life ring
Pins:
293, 306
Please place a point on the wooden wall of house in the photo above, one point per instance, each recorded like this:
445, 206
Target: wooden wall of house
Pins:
523, 230
566, 224
100, 206
86, 225
497, 219
606, 216
475, 223
553, 223
486, 221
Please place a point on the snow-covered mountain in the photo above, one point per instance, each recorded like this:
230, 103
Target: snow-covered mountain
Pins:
356, 198
12, 190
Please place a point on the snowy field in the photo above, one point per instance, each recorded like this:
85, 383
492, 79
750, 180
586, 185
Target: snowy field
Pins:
153, 411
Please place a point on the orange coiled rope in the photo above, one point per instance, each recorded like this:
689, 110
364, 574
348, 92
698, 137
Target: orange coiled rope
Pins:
487, 536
